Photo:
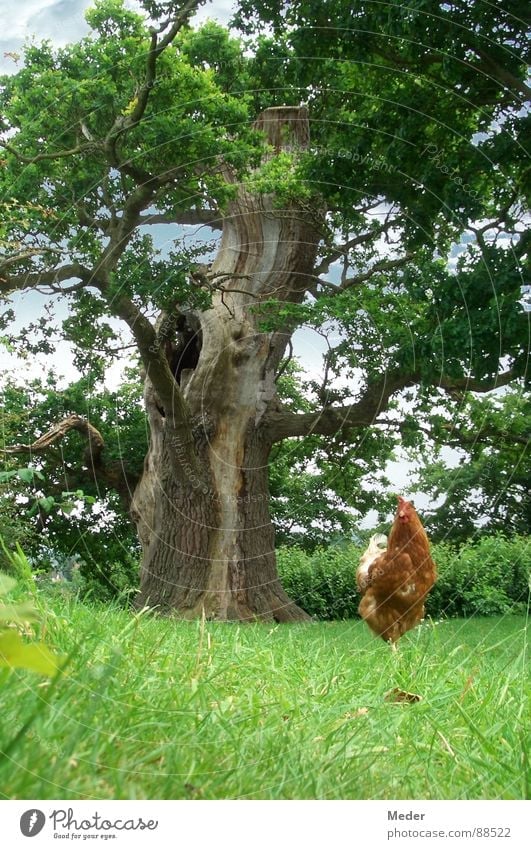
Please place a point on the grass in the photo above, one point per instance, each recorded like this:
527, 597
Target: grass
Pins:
162, 709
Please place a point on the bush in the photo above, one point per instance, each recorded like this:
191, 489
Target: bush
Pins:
485, 577
322, 583
115, 580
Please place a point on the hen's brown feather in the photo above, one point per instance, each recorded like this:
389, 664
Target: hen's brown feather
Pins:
399, 580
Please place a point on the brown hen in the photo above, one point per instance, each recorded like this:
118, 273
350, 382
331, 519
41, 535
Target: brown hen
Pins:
398, 581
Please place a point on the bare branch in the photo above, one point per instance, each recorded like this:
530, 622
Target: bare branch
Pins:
61, 290
286, 362
58, 432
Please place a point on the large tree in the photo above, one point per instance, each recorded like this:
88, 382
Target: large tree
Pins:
337, 211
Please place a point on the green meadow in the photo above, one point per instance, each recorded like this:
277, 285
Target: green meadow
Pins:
157, 708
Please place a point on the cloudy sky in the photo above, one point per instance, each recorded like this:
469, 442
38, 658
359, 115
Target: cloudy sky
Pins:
62, 21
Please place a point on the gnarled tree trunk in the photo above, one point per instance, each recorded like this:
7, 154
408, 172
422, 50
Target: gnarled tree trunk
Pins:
205, 528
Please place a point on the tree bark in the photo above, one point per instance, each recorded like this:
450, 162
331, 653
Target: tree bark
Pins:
207, 537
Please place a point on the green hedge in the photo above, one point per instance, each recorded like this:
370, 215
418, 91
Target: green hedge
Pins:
486, 577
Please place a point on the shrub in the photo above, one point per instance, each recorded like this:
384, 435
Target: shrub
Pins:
116, 580
322, 583
485, 577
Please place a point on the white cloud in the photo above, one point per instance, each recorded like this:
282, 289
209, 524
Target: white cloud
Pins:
61, 21
220, 11
17, 17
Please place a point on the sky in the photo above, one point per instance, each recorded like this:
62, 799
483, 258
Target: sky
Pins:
62, 21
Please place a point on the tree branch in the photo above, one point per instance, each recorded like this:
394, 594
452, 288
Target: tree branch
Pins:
460, 385
58, 432
113, 475
39, 157
493, 70
378, 267
155, 50
50, 277
29, 253
153, 355
500, 75
194, 217
182, 17
124, 123
485, 435
333, 420
337, 251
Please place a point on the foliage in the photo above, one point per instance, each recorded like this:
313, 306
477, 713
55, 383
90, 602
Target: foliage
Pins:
87, 520
492, 477
46, 504
107, 580
321, 583
381, 70
18, 563
486, 577
179, 710
14, 525
282, 177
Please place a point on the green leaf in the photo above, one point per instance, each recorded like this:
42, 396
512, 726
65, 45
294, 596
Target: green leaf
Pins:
47, 503
28, 475
18, 562
15, 654
5, 476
